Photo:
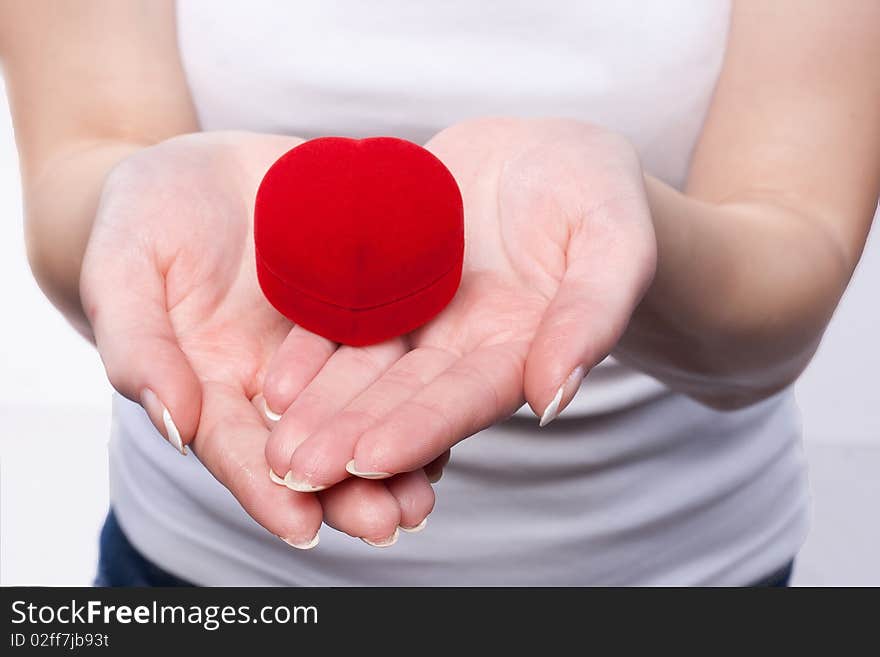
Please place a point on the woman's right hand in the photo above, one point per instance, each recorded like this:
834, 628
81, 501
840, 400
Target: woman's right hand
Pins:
169, 285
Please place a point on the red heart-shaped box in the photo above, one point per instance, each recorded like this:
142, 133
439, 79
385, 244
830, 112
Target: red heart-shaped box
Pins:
359, 240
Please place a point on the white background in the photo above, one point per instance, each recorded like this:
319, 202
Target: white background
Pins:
54, 423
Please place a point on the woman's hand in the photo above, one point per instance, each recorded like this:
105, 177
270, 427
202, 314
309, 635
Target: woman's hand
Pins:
559, 250
169, 286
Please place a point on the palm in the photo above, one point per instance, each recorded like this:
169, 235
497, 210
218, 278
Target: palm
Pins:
181, 213
509, 275
222, 321
529, 192
559, 248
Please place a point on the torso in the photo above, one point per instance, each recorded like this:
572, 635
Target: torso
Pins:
631, 469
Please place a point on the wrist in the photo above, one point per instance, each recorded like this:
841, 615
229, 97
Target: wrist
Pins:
62, 199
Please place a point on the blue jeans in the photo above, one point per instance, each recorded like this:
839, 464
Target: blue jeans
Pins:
120, 564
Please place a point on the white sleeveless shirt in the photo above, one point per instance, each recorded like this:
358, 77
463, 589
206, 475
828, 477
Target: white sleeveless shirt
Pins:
634, 484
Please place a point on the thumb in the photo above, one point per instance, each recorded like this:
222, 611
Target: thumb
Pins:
125, 302
611, 256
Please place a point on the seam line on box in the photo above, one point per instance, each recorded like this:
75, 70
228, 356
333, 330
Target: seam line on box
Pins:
298, 290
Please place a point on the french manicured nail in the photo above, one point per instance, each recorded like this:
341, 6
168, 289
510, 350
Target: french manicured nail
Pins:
365, 475
156, 409
269, 413
385, 542
301, 486
417, 528
304, 546
563, 396
275, 478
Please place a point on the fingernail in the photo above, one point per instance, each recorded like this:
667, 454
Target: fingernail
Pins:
435, 477
385, 542
301, 486
303, 546
156, 409
417, 528
275, 478
365, 475
269, 413
563, 396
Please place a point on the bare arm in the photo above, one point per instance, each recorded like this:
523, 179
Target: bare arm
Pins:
754, 256
722, 291
179, 321
89, 83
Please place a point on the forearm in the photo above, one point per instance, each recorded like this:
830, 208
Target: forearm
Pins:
742, 294
89, 82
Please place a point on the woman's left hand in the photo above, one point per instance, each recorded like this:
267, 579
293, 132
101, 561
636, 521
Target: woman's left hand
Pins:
560, 248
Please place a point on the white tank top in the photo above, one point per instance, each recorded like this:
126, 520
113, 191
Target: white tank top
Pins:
634, 484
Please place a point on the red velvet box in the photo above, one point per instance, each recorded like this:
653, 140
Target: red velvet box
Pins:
359, 240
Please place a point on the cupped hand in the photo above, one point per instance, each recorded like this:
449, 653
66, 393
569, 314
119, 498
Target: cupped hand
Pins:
559, 250
169, 286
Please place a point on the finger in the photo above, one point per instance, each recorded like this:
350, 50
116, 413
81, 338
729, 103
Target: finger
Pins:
434, 470
364, 509
349, 371
415, 498
259, 403
299, 358
475, 392
605, 278
230, 443
321, 460
125, 302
